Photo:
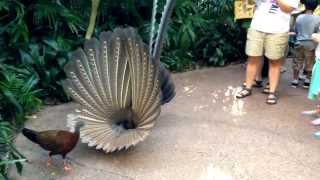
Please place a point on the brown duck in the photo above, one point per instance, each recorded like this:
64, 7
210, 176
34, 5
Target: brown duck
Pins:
57, 142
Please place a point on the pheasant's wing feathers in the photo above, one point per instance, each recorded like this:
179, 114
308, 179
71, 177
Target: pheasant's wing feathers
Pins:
57, 141
49, 140
117, 85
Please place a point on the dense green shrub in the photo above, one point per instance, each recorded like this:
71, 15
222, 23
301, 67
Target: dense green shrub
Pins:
204, 33
37, 35
8, 153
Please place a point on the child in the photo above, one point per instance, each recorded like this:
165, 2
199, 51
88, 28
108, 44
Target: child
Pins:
306, 25
314, 90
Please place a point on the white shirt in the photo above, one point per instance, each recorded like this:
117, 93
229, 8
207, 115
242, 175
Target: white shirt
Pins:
269, 18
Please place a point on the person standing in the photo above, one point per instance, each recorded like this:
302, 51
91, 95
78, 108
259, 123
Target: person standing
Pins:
268, 35
306, 25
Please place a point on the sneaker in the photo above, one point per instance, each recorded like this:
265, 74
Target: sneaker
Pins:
316, 122
317, 135
311, 112
283, 69
306, 84
294, 83
302, 77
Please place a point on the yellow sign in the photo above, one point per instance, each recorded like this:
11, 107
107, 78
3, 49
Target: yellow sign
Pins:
317, 11
243, 10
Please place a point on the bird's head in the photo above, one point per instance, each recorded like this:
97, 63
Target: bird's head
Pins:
78, 126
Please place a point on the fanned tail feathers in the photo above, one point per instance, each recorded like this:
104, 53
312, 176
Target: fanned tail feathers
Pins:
120, 84
117, 84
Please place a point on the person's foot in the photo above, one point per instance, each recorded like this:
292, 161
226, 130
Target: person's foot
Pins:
306, 83
244, 92
311, 112
272, 98
294, 83
256, 84
266, 88
302, 77
316, 122
317, 135
283, 69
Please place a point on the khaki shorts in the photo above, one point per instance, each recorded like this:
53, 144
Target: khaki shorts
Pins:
273, 46
303, 56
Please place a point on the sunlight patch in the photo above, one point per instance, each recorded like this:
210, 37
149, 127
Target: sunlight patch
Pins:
215, 173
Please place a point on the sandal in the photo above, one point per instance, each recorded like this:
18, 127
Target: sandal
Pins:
257, 84
244, 93
266, 89
272, 99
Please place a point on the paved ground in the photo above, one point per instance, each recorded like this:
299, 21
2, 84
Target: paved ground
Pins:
203, 135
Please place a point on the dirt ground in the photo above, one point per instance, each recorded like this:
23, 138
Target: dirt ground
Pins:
204, 134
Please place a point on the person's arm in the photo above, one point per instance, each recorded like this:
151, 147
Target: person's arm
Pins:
285, 7
316, 37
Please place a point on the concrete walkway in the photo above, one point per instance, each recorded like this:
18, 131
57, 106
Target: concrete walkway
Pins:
204, 134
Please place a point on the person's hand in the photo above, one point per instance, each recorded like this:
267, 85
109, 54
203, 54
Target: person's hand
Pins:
316, 37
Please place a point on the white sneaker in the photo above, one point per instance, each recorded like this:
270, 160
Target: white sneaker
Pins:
283, 69
302, 77
306, 83
317, 135
294, 83
316, 122
310, 112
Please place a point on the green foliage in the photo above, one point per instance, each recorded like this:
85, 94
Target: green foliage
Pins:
204, 33
36, 37
18, 96
9, 155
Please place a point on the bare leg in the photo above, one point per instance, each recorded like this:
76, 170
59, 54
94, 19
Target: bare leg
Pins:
295, 74
274, 74
259, 70
252, 68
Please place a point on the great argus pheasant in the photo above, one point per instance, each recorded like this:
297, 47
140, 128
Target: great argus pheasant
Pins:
120, 84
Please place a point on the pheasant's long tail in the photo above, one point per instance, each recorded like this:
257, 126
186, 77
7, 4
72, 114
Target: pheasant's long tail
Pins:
155, 47
30, 134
